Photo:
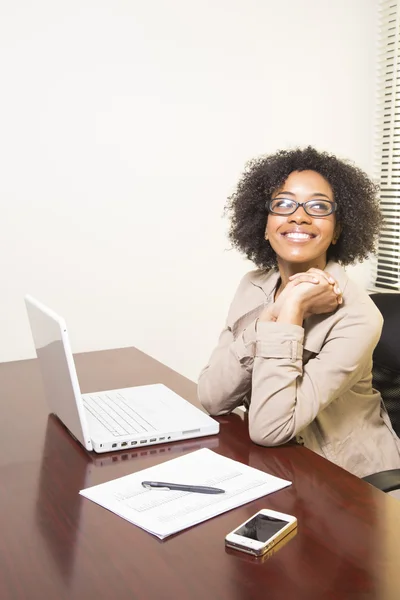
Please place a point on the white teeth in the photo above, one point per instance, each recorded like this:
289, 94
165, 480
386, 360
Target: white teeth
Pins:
298, 236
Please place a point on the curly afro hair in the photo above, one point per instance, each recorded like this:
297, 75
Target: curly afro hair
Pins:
355, 194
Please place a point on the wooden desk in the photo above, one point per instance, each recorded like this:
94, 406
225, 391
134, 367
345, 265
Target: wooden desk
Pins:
55, 544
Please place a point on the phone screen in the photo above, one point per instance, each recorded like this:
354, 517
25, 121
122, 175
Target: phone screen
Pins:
261, 527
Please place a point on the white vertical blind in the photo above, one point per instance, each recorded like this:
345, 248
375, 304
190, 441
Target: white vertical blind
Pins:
386, 266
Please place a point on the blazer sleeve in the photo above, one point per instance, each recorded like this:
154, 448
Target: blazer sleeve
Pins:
287, 395
225, 381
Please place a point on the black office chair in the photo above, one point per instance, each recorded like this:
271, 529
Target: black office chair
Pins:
386, 377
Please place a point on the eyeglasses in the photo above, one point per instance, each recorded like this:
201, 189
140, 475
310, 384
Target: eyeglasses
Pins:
314, 208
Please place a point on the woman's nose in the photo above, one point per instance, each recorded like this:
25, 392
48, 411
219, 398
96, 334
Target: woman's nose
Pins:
299, 216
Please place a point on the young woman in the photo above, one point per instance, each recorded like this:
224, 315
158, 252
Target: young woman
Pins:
298, 342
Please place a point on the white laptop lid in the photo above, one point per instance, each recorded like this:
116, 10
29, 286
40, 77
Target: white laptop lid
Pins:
60, 380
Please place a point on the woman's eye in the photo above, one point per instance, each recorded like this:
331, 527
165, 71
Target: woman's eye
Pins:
320, 206
283, 203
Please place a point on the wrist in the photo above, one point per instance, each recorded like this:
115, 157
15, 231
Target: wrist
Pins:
292, 312
268, 314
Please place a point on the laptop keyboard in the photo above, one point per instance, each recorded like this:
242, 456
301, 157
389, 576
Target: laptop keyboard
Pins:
114, 412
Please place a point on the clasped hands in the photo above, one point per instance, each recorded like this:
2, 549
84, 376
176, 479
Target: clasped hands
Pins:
311, 293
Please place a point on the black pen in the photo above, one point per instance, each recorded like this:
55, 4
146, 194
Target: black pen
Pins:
200, 489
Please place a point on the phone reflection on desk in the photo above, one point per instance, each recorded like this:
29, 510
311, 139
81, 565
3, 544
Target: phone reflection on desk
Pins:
67, 468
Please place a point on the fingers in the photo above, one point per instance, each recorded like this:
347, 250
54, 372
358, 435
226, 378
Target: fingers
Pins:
324, 274
303, 277
331, 281
318, 273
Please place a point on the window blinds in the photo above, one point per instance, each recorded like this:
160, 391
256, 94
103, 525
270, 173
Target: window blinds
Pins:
386, 266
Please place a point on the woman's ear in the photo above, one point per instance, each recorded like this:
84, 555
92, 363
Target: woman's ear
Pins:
336, 233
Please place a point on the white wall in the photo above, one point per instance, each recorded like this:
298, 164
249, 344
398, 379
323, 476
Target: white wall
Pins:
124, 127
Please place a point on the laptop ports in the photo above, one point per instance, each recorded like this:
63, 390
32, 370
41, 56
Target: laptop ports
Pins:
124, 444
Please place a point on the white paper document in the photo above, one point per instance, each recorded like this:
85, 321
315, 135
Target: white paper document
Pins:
163, 513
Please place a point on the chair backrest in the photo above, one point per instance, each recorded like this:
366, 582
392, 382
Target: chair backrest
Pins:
386, 357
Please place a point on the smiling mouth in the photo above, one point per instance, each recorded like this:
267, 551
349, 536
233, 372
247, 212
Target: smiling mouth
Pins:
298, 236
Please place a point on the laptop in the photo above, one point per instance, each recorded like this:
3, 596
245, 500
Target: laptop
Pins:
114, 419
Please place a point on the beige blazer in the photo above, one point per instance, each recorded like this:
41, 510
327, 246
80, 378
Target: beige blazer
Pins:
312, 383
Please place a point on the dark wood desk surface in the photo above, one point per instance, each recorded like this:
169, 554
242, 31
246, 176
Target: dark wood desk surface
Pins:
55, 544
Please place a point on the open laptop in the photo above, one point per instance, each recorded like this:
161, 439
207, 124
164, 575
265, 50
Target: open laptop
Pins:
114, 419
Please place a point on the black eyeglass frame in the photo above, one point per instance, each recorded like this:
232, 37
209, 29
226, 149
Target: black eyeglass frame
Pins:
304, 205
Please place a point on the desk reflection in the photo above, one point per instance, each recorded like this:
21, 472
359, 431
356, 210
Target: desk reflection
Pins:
342, 547
67, 468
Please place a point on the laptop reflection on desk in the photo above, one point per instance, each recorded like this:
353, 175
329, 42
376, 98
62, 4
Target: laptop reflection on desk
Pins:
66, 469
